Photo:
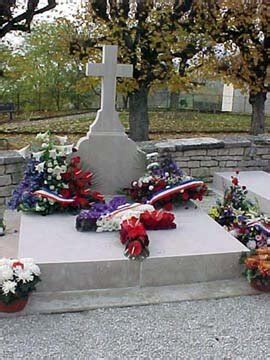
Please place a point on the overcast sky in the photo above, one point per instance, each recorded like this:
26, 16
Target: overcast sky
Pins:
66, 8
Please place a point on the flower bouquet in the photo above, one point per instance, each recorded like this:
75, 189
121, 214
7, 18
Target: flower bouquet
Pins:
257, 268
133, 235
157, 220
87, 219
242, 218
53, 180
165, 184
18, 278
132, 220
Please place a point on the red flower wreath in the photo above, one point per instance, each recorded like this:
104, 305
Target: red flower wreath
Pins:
79, 182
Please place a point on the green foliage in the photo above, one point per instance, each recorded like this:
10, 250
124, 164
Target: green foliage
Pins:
159, 38
43, 65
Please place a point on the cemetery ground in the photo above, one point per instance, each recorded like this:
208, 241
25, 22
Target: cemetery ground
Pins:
232, 328
163, 125
224, 328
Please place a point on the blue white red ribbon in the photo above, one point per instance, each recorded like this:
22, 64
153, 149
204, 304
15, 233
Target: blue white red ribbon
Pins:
259, 224
45, 194
163, 194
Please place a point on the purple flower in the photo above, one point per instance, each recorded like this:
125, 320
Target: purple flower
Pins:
32, 181
86, 220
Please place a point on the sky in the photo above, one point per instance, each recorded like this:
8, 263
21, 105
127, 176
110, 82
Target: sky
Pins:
64, 8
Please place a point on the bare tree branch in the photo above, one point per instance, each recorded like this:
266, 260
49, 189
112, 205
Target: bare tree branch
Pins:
22, 22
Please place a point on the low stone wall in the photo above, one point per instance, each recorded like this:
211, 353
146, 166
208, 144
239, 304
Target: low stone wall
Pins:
199, 157
11, 173
202, 157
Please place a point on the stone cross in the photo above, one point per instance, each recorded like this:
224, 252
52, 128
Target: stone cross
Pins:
107, 117
106, 150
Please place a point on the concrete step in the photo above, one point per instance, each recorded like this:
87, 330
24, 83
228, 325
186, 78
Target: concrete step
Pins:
72, 301
198, 250
257, 183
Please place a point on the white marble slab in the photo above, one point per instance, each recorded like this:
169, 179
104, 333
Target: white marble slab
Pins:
54, 239
257, 183
198, 250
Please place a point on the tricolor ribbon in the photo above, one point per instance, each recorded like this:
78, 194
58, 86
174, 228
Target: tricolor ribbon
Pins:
259, 225
163, 194
45, 194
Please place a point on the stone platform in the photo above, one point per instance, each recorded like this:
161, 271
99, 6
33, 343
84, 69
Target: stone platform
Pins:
198, 250
257, 183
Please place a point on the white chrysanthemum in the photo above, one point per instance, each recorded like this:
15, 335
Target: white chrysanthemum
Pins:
5, 261
24, 275
6, 273
33, 268
9, 286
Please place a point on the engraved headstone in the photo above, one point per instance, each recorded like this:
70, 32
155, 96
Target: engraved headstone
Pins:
106, 150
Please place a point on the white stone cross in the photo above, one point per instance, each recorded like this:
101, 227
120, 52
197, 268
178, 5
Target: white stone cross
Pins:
107, 117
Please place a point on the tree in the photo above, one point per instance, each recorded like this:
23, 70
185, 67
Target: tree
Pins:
241, 31
42, 71
151, 34
11, 20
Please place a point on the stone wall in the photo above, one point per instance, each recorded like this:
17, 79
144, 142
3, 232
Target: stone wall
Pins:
199, 157
202, 157
11, 172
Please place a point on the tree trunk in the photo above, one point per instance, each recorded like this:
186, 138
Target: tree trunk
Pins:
138, 115
174, 100
257, 101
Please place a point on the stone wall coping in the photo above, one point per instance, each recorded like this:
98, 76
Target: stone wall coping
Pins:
173, 145
10, 157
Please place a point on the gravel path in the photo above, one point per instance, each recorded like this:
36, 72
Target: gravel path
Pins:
235, 328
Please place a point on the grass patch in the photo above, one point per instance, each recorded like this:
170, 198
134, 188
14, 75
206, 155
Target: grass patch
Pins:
163, 124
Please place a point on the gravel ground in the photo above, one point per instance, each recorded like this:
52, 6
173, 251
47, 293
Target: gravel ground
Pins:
234, 328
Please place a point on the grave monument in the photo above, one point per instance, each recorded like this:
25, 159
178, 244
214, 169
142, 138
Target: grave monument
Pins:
197, 250
106, 150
